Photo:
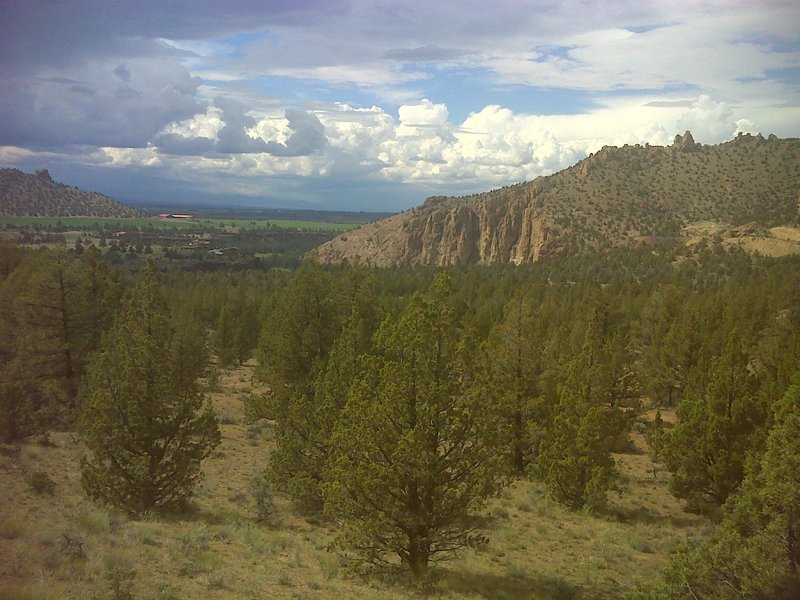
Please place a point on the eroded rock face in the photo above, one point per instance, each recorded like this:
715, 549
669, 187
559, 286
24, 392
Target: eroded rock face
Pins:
685, 142
450, 232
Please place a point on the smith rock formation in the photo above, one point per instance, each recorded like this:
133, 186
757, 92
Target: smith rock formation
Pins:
626, 196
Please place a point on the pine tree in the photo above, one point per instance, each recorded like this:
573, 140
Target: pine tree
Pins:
715, 430
297, 338
414, 448
147, 426
248, 326
755, 551
514, 348
54, 308
662, 343
303, 434
575, 459
224, 335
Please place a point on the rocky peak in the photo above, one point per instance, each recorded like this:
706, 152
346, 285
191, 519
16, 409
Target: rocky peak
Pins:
44, 174
685, 142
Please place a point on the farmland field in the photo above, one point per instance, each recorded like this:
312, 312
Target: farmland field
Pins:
158, 223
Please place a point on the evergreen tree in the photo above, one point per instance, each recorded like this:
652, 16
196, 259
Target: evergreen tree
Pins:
303, 434
297, 337
575, 459
662, 343
414, 448
224, 335
715, 430
755, 551
54, 308
248, 326
514, 348
146, 424
189, 346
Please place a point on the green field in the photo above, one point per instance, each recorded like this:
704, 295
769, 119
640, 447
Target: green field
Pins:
157, 223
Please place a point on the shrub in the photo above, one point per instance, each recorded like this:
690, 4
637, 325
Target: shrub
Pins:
40, 483
262, 494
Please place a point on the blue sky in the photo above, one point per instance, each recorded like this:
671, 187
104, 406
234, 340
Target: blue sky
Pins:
374, 105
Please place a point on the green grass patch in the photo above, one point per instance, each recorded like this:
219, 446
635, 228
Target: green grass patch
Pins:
158, 223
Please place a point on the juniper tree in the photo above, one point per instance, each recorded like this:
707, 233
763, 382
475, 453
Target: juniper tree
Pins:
755, 551
575, 459
715, 430
296, 339
414, 450
53, 310
303, 432
514, 345
146, 424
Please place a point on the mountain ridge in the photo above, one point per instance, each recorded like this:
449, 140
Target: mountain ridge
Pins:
37, 195
618, 196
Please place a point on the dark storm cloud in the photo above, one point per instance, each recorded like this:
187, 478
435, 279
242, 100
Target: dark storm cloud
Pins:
233, 138
83, 72
307, 137
94, 107
37, 32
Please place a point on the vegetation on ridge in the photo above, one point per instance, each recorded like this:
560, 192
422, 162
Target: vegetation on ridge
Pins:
619, 197
22, 194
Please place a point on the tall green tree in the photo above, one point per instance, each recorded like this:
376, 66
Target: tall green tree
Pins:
575, 459
414, 450
514, 359
297, 337
146, 424
224, 336
715, 431
663, 343
754, 552
54, 309
303, 434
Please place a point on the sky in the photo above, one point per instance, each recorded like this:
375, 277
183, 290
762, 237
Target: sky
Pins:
375, 104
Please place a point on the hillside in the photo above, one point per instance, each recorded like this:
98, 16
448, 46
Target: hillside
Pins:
55, 543
22, 194
746, 189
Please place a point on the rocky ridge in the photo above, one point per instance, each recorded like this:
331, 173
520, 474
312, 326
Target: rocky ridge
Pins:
629, 196
37, 195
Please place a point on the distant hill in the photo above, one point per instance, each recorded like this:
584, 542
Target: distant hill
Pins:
37, 195
746, 190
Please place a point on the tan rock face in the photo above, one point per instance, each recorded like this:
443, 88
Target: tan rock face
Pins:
450, 233
636, 196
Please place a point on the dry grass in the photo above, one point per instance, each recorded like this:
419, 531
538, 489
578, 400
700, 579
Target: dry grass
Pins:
62, 546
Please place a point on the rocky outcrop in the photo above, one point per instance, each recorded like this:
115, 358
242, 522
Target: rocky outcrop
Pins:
636, 196
445, 233
685, 142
